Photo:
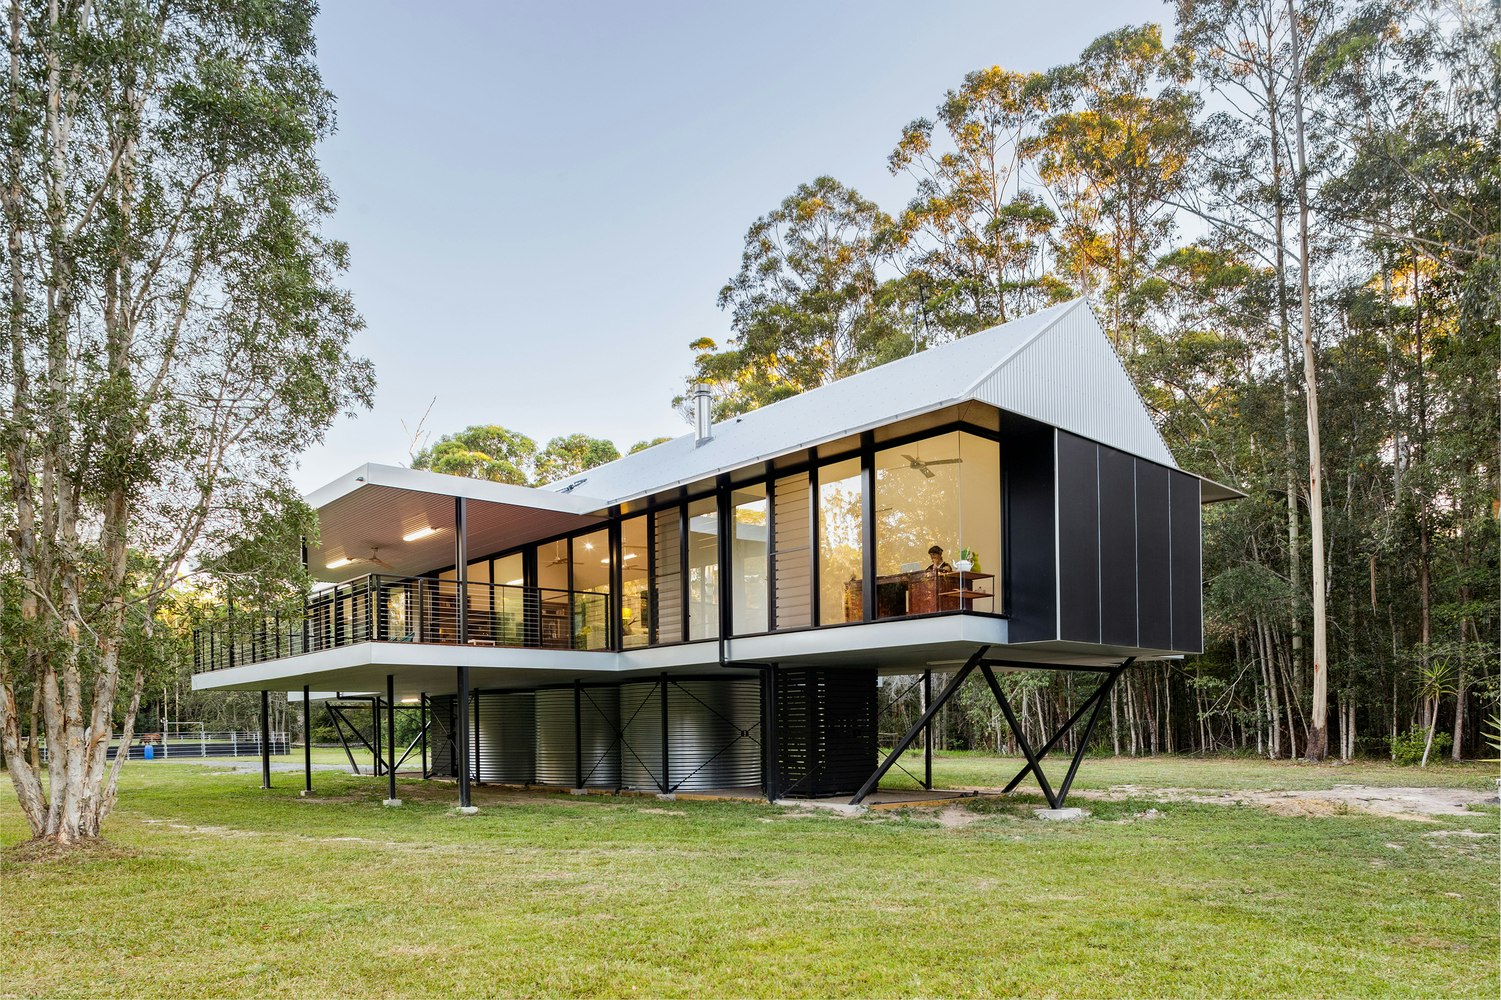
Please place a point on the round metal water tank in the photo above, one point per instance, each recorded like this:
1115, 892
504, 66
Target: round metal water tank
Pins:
505, 737
713, 734
599, 709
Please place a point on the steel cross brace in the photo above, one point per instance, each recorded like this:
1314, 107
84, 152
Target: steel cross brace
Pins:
903, 744
1034, 761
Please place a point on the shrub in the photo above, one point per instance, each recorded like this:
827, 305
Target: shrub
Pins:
1407, 748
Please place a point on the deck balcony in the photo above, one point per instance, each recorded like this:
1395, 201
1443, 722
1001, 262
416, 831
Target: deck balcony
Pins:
382, 608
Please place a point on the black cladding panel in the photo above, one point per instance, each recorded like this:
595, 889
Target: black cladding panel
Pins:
1154, 586
1032, 559
1117, 548
1188, 622
1078, 539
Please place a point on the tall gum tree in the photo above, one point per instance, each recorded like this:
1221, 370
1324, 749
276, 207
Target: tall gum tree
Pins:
175, 338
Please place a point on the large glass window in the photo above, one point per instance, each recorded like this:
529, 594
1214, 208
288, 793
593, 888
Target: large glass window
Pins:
748, 559
938, 525
841, 519
703, 569
635, 584
591, 585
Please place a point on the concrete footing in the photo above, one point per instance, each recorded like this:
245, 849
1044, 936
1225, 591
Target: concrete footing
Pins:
666, 797
578, 791
467, 810
390, 803
304, 793
1057, 815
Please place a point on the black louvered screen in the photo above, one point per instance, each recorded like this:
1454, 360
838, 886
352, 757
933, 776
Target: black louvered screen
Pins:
440, 732
826, 730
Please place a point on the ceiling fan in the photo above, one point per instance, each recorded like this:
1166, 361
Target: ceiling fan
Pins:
921, 466
373, 559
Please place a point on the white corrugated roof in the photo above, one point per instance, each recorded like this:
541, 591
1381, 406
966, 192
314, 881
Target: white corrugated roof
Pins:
1077, 383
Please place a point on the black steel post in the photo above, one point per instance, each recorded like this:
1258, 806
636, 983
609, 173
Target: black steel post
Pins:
578, 734
666, 781
911, 735
265, 739
391, 737
375, 733
307, 740
1021, 737
927, 732
461, 565
461, 745
422, 700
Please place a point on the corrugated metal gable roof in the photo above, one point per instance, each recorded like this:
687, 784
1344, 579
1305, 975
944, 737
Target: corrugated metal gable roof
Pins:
1078, 384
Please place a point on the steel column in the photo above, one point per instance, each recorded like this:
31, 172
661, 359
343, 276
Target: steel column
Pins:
461, 745
265, 739
461, 566
422, 701
307, 740
1102, 696
391, 736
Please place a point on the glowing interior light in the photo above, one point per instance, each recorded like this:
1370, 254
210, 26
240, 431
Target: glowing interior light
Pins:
338, 563
419, 534
514, 583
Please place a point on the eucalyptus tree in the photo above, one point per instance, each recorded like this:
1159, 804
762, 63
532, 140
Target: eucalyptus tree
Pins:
975, 229
175, 338
484, 451
808, 305
571, 454
1114, 152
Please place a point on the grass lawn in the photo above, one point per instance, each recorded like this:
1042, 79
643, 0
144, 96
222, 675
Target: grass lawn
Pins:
229, 890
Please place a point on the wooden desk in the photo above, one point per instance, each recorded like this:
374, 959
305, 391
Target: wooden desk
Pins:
919, 593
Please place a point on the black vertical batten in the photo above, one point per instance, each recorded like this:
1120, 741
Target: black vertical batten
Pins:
724, 515
616, 600
771, 552
1078, 532
307, 740
651, 579
265, 739
1188, 631
686, 613
391, 737
1030, 546
1154, 616
815, 616
867, 527
770, 771
1117, 548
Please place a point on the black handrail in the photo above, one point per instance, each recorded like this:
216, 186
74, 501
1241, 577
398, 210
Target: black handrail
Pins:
381, 608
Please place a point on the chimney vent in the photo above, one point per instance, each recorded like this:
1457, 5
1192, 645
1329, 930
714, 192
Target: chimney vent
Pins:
703, 402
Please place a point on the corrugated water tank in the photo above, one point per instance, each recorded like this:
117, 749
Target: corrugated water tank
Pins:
505, 738
713, 734
556, 757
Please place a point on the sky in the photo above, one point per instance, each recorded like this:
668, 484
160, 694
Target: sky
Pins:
542, 201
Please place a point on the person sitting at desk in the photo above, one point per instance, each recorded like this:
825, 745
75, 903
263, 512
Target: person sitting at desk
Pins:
937, 565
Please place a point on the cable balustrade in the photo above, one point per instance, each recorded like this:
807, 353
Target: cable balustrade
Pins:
379, 608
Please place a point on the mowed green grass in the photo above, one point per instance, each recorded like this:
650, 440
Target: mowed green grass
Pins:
212, 886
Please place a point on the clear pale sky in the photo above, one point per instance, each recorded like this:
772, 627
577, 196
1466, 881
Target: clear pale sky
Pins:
542, 201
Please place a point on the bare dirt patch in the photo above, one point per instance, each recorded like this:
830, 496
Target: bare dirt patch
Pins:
1402, 803
41, 852
956, 818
